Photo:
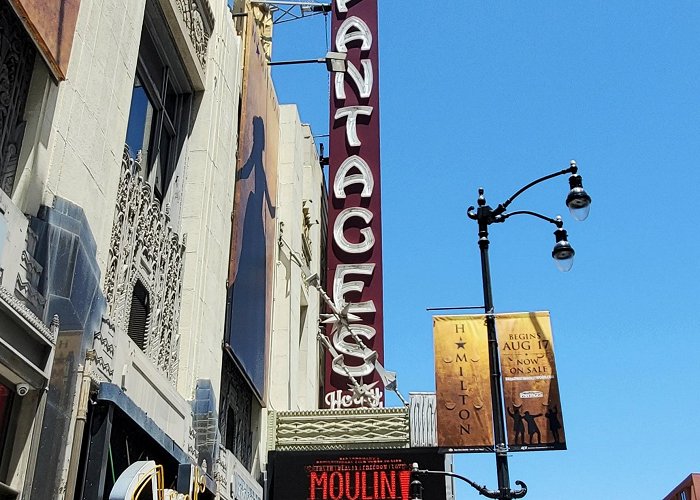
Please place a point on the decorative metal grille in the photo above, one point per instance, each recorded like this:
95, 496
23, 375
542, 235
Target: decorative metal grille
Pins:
235, 414
362, 428
423, 419
145, 248
16, 62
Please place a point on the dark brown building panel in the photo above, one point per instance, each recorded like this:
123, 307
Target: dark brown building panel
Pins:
687, 490
51, 24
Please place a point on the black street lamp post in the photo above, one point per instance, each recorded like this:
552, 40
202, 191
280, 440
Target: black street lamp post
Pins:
579, 203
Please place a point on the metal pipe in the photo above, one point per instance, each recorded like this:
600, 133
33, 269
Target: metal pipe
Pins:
499, 426
293, 4
300, 61
80, 419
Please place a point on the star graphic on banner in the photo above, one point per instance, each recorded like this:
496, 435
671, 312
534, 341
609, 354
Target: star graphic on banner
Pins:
460, 344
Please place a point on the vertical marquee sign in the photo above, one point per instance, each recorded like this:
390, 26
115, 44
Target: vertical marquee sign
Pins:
355, 244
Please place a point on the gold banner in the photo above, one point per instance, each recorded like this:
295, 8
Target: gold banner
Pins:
464, 414
530, 388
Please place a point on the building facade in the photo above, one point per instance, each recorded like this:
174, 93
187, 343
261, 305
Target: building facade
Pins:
119, 142
163, 236
688, 489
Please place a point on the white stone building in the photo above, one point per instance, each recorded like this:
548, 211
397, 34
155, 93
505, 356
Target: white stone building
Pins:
118, 155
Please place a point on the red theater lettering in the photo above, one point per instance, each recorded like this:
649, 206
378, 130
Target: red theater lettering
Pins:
359, 485
354, 213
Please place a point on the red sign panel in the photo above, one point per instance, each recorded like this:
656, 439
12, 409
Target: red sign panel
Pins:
353, 475
354, 212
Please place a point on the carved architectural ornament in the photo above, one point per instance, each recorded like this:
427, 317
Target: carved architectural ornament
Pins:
145, 248
198, 18
306, 240
25, 313
376, 428
423, 420
103, 349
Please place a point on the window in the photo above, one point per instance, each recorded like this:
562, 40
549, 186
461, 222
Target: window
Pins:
160, 103
231, 429
684, 495
16, 64
303, 311
235, 413
6, 396
138, 319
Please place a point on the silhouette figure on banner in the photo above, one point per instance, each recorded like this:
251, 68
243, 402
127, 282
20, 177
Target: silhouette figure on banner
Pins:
249, 290
532, 428
552, 415
518, 425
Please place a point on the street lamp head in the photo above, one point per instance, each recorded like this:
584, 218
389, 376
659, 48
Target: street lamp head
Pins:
578, 200
563, 252
336, 62
416, 488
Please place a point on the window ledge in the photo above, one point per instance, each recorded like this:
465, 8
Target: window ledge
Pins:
191, 23
7, 493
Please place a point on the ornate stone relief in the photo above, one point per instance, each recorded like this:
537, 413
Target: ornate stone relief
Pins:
221, 470
339, 429
27, 281
306, 243
145, 248
423, 420
103, 347
198, 18
22, 310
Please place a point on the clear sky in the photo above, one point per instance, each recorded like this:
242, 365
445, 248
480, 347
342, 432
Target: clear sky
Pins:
495, 94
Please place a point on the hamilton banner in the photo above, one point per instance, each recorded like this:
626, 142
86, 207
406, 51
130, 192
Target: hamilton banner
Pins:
530, 388
464, 411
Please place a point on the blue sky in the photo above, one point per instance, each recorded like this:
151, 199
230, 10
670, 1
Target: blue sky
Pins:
495, 94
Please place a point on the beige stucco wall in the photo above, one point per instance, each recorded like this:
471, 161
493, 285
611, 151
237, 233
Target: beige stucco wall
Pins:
74, 144
73, 148
206, 210
75, 137
293, 376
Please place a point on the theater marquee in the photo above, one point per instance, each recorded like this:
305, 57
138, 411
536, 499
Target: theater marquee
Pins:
353, 475
355, 245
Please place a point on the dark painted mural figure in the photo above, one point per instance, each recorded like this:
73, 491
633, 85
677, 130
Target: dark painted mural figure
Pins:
248, 293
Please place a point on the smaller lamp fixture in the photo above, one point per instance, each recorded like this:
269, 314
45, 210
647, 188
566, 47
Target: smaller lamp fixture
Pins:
578, 200
323, 8
416, 487
336, 62
562, 253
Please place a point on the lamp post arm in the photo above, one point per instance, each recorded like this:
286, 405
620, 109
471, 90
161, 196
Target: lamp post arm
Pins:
483, 490
557, 222
502, 207
299, 61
